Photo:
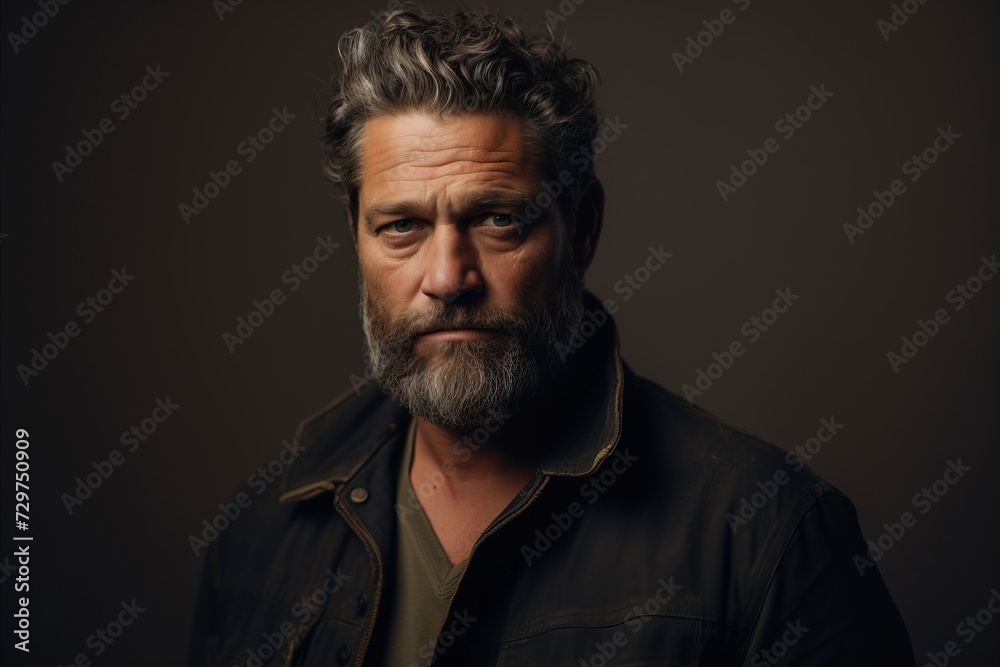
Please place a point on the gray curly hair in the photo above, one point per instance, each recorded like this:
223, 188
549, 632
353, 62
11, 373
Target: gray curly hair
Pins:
409, 60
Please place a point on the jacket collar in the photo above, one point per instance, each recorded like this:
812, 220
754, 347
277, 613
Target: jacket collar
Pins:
339, 439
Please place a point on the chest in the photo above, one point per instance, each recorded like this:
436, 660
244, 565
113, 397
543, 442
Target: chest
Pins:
457, 525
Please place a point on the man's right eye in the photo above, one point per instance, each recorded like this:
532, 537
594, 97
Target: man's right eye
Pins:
400, 226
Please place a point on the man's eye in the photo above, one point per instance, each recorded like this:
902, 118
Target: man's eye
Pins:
401, 226
502, 219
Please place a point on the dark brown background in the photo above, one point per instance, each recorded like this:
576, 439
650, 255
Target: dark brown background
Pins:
162, 335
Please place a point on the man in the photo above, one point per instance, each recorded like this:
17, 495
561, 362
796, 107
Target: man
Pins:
511, 493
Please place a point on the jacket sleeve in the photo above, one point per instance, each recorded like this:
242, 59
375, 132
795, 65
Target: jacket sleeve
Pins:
824, 607
204, 640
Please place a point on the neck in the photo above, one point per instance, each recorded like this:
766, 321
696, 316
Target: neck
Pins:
494, 448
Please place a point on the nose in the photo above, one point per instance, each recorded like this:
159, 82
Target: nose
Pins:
451, 265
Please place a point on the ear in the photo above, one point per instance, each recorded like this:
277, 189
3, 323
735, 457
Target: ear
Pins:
589, 220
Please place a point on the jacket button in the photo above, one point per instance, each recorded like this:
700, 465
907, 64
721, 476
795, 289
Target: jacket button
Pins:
362, 604
343, 654
359, 495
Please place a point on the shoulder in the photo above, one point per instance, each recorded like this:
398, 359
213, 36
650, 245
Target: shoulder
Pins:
747, 507
737, 489
697, 445
344, 416
287, 492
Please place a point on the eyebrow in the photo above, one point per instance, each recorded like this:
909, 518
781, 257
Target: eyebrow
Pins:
482, 199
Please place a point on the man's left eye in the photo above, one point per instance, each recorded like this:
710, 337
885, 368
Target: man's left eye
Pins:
502, 219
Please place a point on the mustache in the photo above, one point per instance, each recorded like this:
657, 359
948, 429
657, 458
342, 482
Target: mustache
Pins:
408, 327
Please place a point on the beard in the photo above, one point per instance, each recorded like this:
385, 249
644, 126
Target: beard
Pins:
463, 384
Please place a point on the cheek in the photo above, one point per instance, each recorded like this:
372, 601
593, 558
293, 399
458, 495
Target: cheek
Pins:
533, 271
386, 277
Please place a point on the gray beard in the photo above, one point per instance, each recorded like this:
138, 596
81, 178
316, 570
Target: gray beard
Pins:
463, 384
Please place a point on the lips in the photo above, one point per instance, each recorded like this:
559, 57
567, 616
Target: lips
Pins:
455, 334
443, 329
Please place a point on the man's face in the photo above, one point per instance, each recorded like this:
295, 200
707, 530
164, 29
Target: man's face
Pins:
462, 300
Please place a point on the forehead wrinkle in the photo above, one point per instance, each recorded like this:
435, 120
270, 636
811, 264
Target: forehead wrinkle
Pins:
437, 164
470, 171
453, 158
435, 144
454, 198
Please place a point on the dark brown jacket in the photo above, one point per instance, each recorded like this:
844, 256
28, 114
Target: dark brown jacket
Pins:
653, 534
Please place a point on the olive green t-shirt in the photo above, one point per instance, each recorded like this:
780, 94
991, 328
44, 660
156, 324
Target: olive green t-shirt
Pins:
425, 578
